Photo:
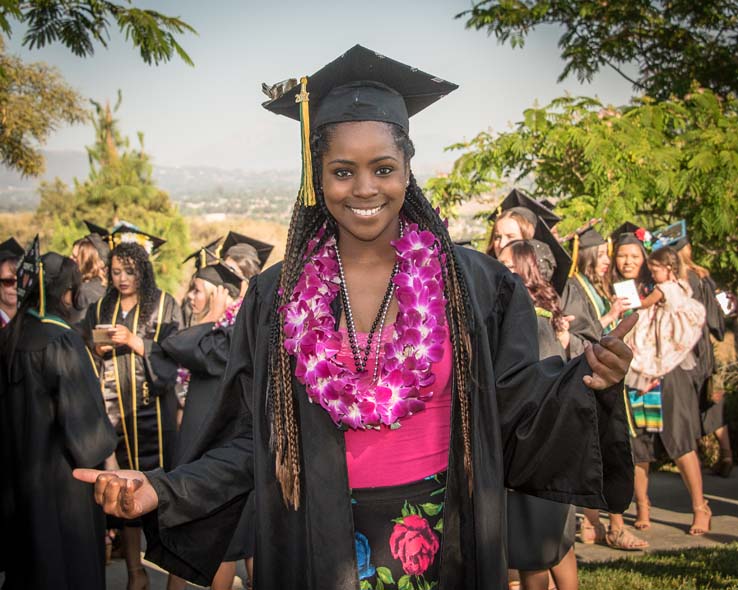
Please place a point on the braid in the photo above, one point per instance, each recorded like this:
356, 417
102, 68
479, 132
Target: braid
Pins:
304, 224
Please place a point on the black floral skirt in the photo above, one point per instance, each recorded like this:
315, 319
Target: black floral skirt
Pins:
398, 533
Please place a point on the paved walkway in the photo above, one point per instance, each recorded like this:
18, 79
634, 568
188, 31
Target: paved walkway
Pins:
671, 515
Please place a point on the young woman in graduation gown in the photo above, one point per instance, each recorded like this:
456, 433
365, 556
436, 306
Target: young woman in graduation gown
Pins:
52, 420
713, 411
588, 299
202, 351
137, 377
679, 428
91, 254
540, 532
508, 421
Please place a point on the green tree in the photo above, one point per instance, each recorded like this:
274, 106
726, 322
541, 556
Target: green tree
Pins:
119, 188
79, 24
671, 43
34, 102
650, 162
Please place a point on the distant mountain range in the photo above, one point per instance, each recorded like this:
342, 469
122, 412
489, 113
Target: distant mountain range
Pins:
188, 185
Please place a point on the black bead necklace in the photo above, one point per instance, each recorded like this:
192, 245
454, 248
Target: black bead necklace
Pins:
361, 355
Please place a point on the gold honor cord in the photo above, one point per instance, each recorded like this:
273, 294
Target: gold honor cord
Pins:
591, 298
41, 291
134, 392
159, 317
117, 386
628, 413
92, 362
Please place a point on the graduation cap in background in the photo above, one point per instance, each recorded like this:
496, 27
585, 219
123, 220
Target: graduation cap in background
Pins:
221, 274
30, 273
560, 270
585, 237
205, 255
671, 235
127, 232
630, 233
518, 200
263, 250
361, 85
11, 249
100, 238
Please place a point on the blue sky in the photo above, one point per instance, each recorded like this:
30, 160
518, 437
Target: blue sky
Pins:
211, 114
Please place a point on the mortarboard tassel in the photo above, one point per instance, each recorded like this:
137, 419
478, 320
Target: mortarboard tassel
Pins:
307, 190
41, 290
574, 256
609, 247
203, 258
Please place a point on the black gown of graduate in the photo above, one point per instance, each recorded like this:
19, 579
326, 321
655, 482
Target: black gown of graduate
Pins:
139, 390
204, 351
52, 420
535, 427
586, 326
703, 290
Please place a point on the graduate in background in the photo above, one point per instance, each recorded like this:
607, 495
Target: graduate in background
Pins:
138, 379
10, 254
202, 351
91, 254
52, 420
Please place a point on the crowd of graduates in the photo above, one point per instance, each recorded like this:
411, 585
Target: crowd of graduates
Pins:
268, 415
158, 363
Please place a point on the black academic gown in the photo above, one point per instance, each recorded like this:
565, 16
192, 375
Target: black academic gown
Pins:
142, 385
204, 351
703, 290
52, 420
535, 427
586, 326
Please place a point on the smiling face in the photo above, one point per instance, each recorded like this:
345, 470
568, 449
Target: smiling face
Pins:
629, 260
124, 277
506, 230
8, 286
364, 178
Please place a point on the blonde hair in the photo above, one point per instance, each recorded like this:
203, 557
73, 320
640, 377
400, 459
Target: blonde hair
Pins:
90, 263
685, 257
209, 291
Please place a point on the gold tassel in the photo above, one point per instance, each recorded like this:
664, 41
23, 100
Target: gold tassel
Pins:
41, 290
609, 247
574, 256
307, 190
203, 258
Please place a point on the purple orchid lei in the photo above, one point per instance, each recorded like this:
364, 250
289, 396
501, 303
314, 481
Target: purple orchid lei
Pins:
420, 331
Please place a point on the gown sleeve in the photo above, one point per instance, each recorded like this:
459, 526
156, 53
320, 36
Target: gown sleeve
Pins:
209, 494
561, 440
88, 435
585, 327
200, 348
161, 370
714, 314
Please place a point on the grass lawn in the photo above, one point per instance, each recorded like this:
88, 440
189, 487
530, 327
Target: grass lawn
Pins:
689, 569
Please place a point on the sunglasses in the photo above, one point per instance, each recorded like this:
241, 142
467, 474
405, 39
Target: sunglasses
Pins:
8, 282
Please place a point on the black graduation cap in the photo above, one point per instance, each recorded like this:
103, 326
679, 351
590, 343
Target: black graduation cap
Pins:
221, 274
560, 255
361, 85
263, 250
126, 232
205, 255
625, 228
10, 248
96, 229
547, 203
517, 199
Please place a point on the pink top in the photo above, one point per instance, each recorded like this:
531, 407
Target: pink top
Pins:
419, 448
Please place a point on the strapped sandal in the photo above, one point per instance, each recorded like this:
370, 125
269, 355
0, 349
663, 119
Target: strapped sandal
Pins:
643, 523
589, 533
624, 541
696, 531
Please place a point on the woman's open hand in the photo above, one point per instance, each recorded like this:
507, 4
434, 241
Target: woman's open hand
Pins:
610, 357
123, 493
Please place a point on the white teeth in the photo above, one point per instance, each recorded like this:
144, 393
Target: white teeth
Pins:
366, 212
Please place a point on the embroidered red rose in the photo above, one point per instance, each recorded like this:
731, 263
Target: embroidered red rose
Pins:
414, 544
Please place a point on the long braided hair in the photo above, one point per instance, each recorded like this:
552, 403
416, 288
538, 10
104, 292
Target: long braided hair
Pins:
304, 224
